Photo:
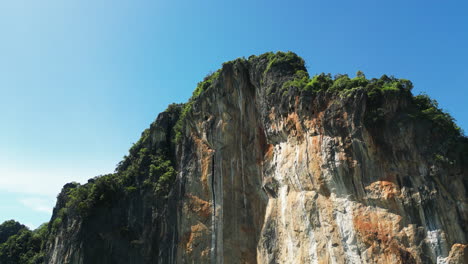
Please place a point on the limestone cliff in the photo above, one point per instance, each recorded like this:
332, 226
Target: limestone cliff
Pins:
265, 165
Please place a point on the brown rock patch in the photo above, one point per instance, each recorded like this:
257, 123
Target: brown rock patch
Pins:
384, 189
205, 153
293, 124
191, 239
201, 207
458, 254
380, 231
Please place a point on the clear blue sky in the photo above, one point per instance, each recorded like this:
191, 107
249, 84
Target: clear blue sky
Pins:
80, 79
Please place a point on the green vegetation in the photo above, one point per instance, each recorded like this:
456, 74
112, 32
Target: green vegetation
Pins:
283, 59
57, 222
428, 109
343, 84
100, 190
161, 175
19, 245
187, 107
446, 140
180, 124
205, 84
146, 167
377, 91
9, 228
301, 80
155, 168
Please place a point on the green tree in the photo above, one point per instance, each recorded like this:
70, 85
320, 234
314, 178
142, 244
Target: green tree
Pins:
8, 229
360, 74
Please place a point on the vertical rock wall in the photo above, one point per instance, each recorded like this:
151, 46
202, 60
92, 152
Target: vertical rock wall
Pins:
221, 174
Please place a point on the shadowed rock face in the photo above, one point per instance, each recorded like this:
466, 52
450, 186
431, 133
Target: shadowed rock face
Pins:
273, 176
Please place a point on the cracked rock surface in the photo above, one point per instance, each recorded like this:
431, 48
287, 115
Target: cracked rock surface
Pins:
265, 176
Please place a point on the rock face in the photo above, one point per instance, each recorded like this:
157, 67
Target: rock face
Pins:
268, 172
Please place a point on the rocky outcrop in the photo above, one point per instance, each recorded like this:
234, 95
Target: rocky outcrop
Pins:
110, 220
271, 171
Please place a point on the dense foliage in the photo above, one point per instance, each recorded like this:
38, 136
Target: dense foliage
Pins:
343, 84
146, 167
446, 140
19, 245
428, 109
9, 228
283, 60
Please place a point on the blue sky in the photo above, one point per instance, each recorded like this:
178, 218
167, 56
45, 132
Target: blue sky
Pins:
81, 79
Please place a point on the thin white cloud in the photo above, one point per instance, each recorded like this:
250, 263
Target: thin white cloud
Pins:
38, 204
42, 180
34, 185
30, 226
